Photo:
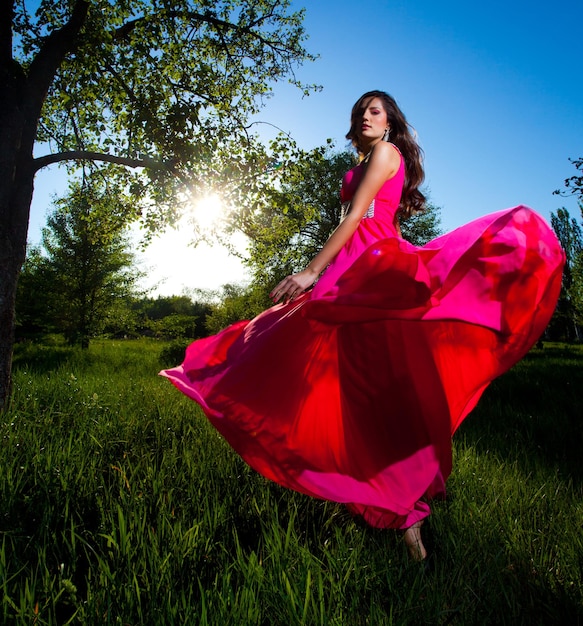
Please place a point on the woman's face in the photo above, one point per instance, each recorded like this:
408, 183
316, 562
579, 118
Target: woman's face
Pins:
372, 123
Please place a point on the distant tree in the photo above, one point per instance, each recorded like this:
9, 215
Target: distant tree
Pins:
576, 294
423, 226
34, 316
567, 321
168, 87
87, 266
173, 317
574, 184
120, 320
568, 317
570, 234
163, 306
237, 303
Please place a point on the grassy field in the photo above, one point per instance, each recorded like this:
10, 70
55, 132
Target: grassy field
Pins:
119, 504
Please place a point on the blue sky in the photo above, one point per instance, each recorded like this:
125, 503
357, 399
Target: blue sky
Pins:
494, 91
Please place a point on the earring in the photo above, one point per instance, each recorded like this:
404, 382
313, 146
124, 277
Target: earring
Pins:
387, 134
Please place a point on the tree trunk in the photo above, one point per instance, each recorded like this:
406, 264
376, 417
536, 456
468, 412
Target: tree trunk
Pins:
21, 99
16, 185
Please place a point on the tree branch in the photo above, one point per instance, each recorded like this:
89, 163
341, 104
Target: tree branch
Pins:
87, 155
124, 30
52, 53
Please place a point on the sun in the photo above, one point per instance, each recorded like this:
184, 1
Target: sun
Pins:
208, 210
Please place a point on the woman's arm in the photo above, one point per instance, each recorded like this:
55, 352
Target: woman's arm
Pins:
383, 164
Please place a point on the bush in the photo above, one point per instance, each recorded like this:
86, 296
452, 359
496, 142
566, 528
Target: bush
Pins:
173, 353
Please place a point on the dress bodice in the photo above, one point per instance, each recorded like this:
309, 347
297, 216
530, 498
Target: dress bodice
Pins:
386, 200
377, 224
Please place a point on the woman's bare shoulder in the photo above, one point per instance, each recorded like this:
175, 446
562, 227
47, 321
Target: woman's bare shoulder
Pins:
387, 156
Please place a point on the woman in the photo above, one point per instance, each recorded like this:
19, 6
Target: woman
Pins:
351, 391
369, 132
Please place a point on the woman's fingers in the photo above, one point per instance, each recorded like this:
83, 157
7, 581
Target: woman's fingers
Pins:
286, 290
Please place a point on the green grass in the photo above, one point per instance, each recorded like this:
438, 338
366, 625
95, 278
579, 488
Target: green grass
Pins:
120, 504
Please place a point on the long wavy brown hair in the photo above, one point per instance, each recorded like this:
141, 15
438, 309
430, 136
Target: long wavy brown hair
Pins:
412, 200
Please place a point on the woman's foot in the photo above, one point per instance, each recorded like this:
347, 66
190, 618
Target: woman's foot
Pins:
414, 542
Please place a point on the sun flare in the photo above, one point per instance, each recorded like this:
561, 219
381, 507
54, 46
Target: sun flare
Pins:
208, 210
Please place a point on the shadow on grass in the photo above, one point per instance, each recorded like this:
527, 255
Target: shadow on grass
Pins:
44, 357
491, 578
535, 410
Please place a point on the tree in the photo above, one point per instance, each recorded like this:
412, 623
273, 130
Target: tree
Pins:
33, 312
165, 86
237, 303
173, 317
569, 314
88, 266
422, 226
568, 318
574, 184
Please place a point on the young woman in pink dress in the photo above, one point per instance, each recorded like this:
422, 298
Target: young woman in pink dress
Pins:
350, 389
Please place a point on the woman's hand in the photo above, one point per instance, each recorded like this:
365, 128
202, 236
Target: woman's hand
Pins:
293, 286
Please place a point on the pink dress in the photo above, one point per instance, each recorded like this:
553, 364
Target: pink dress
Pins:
352, 392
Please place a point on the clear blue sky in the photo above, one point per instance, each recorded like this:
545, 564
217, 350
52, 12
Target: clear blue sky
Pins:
494, 90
